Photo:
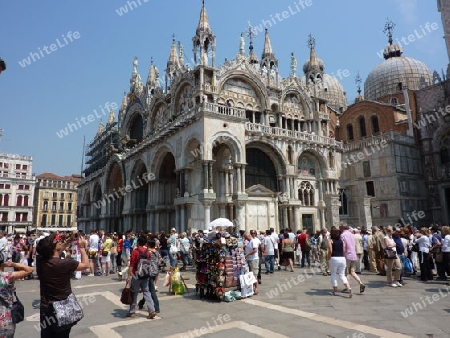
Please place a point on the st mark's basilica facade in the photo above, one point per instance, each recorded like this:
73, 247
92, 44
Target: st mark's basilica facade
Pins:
241, 142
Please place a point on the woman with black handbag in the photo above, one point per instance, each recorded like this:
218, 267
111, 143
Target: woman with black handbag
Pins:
54, 276
7, 295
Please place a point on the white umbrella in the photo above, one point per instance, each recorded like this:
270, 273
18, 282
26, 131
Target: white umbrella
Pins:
221, 222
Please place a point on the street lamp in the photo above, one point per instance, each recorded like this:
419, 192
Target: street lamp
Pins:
2, 65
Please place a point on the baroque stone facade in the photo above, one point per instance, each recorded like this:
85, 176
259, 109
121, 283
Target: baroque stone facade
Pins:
235, 141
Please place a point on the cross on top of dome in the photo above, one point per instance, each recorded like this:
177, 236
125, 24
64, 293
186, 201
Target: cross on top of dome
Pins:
311, 41
388, 29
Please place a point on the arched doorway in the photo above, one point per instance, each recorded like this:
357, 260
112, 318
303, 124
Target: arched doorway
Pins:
139, 197
165, 194
114, 205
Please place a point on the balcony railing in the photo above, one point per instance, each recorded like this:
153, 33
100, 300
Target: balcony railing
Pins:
224, 110
254, 128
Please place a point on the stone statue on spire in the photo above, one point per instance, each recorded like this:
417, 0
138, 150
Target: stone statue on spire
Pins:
242, 45
293, 64
135, 65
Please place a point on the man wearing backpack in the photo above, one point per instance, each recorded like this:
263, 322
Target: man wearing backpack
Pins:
140, 264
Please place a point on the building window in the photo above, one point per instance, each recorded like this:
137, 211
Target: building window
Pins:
19, 201
69, 206
53, 220
45, 206
54, 206
17, 166
350, 132
4, 217
394, 101
306, 194
27, 187
6, 200
70, 196
46, 194
362, 126
343, 209
62, 195
25, 217
20, 187
44, 220
69, 220
60, 223
370, 189
375, 125
55, 195
61, 206
366, 169
24, 167
25, 201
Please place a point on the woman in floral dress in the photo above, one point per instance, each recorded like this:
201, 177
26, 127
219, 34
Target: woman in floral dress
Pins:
7, 278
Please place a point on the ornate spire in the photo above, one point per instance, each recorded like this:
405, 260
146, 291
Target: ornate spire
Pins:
251, 33
391, 50
312, 52
203, 23
313, 68
267, 51
100, 129
111, 117
204, 40
174, 59
268, 57
358, 82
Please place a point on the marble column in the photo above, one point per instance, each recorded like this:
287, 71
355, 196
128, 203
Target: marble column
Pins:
177, 218
238, 177
291, 217
243, 178
182, 218
288, 187
205, 177
207, 209
296, 219
210, 177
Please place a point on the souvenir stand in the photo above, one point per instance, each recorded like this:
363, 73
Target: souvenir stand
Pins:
220, 262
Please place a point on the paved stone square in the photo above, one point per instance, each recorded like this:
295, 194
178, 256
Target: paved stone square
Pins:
283, 308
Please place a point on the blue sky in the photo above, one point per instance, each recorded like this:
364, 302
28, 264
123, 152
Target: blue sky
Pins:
77, 75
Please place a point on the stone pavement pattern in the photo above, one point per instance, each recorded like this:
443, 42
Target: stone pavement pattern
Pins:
281, 309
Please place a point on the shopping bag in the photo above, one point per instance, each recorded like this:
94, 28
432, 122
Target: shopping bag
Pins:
246, 290
127, 295
407, 266
249, 278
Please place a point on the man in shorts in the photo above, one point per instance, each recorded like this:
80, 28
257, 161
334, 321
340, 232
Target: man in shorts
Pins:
252, 244
93, 252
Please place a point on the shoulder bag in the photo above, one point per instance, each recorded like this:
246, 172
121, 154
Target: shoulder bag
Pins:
68, 312
17, 309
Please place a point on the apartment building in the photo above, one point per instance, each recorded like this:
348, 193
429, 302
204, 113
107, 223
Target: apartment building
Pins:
16, 193
55, 201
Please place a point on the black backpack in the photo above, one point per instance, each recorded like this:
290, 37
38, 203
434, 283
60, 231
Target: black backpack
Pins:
144, 264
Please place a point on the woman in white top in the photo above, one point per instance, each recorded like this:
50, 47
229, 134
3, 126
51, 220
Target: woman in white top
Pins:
446, 248
423, 239
391, 261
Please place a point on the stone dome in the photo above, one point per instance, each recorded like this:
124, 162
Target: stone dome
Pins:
384, 79
333, 92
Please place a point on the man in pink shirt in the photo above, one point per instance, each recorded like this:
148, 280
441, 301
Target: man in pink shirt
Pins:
350, 254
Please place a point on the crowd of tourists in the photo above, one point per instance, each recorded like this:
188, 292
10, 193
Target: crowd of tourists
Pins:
341, 253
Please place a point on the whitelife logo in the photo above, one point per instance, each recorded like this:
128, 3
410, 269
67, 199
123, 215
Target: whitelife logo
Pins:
69, 37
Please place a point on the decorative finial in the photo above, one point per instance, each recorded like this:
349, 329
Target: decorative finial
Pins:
311, 41
203, 3
388, 29
358, 82
151, 60
251, 32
